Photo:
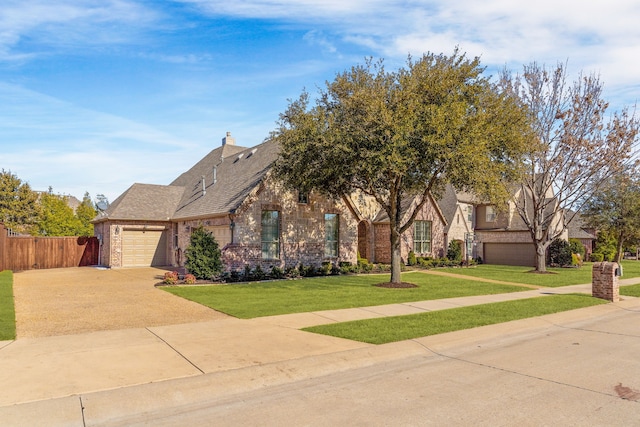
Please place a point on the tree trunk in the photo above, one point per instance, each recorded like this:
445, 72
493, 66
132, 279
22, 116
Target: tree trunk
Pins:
619, 248
396, 257
541, 257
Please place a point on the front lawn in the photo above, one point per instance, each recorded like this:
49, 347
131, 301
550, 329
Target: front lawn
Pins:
557, 277
329, 293
390, 329
630, 291
7, 311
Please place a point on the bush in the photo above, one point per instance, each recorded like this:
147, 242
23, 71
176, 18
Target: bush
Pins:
325, 270
576, 260
170, 278
411, 260
292, 272
577, 247
454, 252
258, 273
189, 279
596, 257
203, 258
560, 253
276, 273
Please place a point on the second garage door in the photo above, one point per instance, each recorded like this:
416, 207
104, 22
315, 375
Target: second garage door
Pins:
510, 254
144, 248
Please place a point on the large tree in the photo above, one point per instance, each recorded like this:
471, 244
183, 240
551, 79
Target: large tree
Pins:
577, 148
404, 133
85, 212
19, 209
615, 209
57, 217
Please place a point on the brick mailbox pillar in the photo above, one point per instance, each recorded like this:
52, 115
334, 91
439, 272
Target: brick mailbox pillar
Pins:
604, 281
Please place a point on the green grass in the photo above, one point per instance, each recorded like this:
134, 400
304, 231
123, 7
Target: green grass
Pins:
558, 276
7, 310
630, 291
398, 328
329, 293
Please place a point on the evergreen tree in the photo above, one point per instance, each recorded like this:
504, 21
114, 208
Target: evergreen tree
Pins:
19, 209
203, 258
57, 217
84, 214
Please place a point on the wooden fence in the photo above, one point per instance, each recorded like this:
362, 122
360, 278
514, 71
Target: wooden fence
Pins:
30, 252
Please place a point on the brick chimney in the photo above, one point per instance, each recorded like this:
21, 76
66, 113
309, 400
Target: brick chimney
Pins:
228, 139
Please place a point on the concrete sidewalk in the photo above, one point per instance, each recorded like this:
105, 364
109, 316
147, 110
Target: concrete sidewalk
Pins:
48, 381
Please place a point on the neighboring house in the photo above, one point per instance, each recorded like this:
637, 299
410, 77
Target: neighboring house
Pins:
231, 193
579, 229
426, 236
458, 208
502, 237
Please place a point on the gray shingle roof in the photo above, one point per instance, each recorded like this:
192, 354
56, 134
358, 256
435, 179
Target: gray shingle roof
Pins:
238, 171
145, 202
577, 228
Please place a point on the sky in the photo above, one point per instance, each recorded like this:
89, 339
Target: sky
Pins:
99, 94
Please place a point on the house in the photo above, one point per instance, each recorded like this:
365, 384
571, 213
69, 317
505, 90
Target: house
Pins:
458, 209
579, 229
426, 237
497, 236
501, 235
254, 219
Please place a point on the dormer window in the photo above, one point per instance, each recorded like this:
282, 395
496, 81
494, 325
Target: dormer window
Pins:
303, 198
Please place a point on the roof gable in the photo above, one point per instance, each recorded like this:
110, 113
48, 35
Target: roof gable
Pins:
237, 172
144, 202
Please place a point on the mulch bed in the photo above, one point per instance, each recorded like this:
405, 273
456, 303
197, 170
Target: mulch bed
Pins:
401, 285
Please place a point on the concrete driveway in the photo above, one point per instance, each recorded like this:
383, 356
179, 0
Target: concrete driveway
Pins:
86, 299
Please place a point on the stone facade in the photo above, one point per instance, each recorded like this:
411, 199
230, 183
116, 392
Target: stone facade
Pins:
302, 230
428, 212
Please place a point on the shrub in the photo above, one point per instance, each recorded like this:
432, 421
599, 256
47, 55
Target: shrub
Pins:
325, 270
247, 276
189, 279
258, 273
596, 257
576, 260
203, 258
454, 252
170, 278
577, 247
412, 258
292, 272
276, 273
560, 253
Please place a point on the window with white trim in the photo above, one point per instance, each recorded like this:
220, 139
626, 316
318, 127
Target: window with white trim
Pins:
270, 235
490, 214
331, 235
422, 237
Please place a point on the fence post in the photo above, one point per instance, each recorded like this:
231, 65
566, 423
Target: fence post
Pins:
3, 243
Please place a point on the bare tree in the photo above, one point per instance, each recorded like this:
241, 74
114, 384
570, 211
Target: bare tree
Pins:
575, 151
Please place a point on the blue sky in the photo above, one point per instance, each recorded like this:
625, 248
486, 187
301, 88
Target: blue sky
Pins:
99, 94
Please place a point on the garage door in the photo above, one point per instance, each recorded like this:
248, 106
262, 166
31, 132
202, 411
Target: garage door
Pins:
144, 248
510, 254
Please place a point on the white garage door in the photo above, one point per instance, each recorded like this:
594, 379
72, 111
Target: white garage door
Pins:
144, 248
510, 254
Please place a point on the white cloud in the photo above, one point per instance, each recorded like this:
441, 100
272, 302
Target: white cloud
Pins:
68, 23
